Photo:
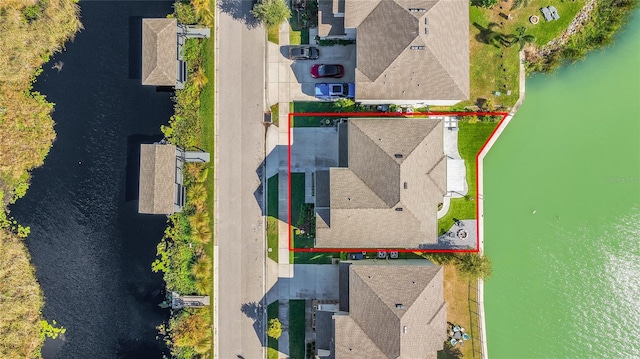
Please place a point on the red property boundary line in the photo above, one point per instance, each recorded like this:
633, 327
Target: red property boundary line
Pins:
384, 114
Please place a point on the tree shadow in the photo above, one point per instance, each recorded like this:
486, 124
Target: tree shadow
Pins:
240, 10
489, 35
255, 311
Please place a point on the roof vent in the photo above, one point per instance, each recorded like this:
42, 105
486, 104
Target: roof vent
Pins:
417, 47
426, 31
398, 155
406, 185
426, 21
417, 9
399, 209
404, 329
399, 306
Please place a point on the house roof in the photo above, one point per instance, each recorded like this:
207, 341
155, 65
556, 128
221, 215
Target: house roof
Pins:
159, 52
411, 49
388, 194
395, 311
157, 178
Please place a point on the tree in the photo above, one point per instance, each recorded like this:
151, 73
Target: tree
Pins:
275, 328
189, 330
485, 3
519, 3
271, 12
520, 38
344, 105
203, 11
473, 265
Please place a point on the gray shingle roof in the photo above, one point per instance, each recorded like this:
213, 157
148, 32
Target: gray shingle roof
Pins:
157, 179
389, 69
393, 164
159, 52
396, 310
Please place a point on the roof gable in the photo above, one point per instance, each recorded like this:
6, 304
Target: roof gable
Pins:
411, 49
157, 178
380, 51
159, 52
396, 308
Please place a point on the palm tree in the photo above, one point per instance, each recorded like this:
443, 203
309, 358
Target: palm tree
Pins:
202, 268
204, 285
201, 233
199, 78
203, 11
520, 38
204, 345
197, 195
199, 219
519, 3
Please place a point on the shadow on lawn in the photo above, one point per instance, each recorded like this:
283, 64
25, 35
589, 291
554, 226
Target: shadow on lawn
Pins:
489, 36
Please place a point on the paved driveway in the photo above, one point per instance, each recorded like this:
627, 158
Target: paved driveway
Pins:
310, 281
301, 84
314, 148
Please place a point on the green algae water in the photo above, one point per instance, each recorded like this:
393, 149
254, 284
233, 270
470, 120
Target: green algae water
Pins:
562, 213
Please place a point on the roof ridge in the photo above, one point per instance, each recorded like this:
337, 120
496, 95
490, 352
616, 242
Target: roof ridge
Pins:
431, 170
383, 151
382, 301
455, 81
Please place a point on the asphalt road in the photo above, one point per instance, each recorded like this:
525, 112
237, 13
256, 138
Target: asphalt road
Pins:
239, 231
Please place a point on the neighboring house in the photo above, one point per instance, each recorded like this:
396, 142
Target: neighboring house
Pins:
386, 190
162, 43
408, 51
387, 310
161, 187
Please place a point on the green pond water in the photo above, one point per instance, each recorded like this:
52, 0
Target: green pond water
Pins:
566, 280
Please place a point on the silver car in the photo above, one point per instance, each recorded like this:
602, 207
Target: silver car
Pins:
303, 53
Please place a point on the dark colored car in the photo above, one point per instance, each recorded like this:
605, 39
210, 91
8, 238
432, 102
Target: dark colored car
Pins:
303, 53
335, 91
321, 70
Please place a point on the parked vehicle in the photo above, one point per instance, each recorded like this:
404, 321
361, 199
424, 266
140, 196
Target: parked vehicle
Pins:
322, 70
303, 53
335, 91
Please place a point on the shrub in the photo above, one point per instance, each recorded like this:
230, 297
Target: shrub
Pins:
184, 13
271, 12
275, 328
484, 3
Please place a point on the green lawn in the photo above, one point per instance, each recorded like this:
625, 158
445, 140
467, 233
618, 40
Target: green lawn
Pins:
272, 217
296, 329
273, 34
310, 257
310, 121
471, 138
495, 68
272, 344
207, 126
297, 35
297, 196
275, 114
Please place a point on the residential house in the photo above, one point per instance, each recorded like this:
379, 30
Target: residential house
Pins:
408, 52
161, 183
387, 310
385, 192
163, 40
